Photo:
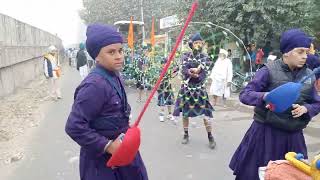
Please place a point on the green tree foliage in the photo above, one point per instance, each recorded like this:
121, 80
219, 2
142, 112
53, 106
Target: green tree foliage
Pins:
258, 20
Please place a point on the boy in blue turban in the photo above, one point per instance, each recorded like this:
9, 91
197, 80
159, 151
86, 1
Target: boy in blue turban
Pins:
192, 100
100, 112
272, 134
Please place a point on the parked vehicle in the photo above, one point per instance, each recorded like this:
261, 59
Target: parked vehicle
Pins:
239, 81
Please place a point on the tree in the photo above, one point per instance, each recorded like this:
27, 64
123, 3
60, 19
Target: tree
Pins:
115, 10
315, 25
252, 20
256, 20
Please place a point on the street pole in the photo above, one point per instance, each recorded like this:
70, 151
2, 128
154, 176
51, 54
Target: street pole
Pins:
142, 19
166, 46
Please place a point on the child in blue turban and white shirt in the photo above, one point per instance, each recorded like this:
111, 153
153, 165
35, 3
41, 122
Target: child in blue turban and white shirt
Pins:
100, 112
272, 134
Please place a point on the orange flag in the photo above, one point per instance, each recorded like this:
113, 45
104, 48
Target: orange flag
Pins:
152, 38
130, 34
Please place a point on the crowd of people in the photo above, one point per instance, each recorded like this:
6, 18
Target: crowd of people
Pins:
100, 112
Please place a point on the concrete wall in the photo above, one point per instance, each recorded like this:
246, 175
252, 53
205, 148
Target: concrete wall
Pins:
21, 50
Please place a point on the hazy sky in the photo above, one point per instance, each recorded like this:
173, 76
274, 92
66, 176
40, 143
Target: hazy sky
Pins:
55, 16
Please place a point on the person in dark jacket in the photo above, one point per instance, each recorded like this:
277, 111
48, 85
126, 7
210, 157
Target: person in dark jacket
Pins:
82, 62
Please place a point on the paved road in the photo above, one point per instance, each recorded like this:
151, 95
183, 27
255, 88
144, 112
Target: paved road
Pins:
51, 155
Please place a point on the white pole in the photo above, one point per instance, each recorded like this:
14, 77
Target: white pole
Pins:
228, 30
166, 45
142, 19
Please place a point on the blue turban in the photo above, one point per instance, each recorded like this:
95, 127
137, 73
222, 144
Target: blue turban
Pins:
99, 36
81, 46
294, 38
313, 61
195, 37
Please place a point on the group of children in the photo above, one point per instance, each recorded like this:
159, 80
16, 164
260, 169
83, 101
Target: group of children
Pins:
100, 113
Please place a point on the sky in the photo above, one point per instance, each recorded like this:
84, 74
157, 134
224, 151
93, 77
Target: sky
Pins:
59, 17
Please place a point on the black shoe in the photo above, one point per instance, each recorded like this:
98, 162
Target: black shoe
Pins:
212, 143
185, 139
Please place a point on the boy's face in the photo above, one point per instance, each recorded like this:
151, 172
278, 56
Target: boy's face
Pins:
297, 57
197, 45
111, 57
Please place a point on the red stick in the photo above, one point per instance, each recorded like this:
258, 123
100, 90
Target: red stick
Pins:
165, 69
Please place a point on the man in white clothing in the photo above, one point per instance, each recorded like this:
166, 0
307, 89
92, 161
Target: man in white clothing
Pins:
52, 71
221, 76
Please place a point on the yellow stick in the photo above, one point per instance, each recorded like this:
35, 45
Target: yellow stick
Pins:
291, 157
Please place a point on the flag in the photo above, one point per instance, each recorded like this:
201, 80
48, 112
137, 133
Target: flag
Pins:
152, 38
130, 34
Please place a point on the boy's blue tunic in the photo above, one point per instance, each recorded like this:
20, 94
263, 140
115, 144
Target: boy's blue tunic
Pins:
99, 114
263, 142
